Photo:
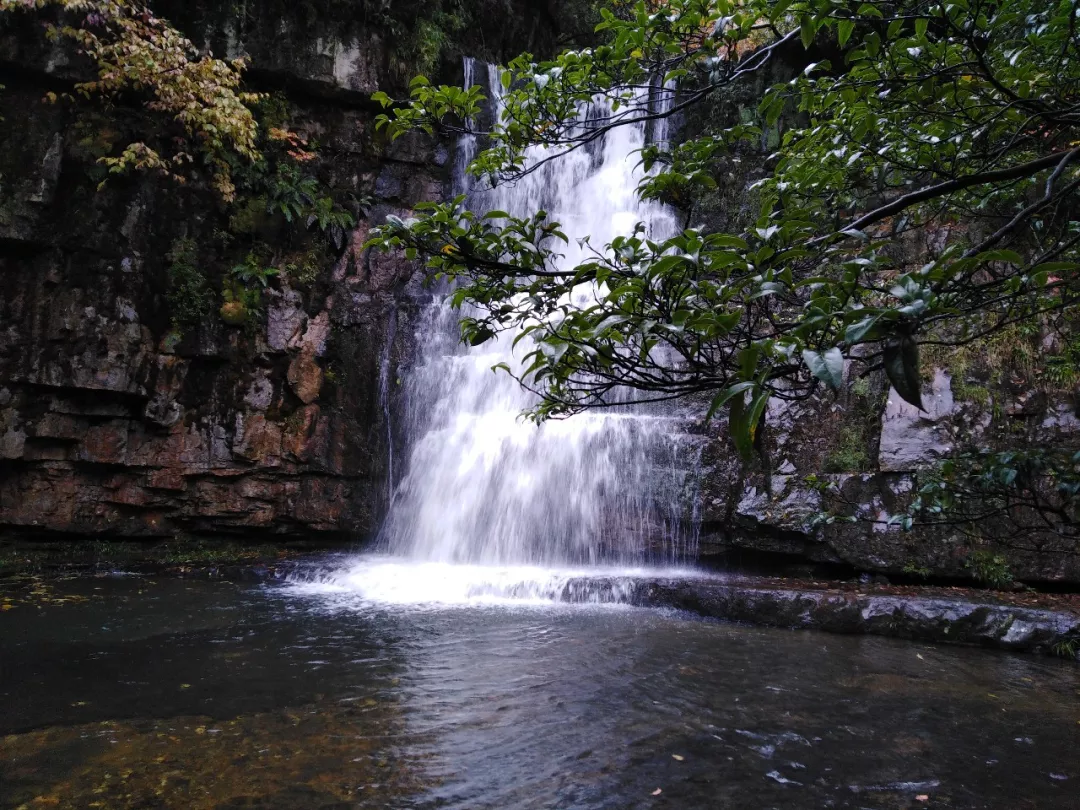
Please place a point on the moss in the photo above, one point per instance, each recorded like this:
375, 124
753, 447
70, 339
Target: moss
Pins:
250, 217
1012, 350
855, 444
429, 38
912, 569
304, 268
850, 453
334, 375
294, 421
966, 391
189, 295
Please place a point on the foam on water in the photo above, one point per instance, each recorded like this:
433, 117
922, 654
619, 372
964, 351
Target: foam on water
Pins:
377, 579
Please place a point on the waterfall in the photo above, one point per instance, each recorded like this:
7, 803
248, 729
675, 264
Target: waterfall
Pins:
384, 398
490, 505
485, 486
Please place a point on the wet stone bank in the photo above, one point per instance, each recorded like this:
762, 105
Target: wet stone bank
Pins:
937, 619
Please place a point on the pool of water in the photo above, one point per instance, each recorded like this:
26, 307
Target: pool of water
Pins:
139, 692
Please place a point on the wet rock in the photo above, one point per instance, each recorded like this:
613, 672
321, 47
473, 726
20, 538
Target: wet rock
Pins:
285, 320
789, 506
115, 421
913, 439
954, 621
305, 376
315, 335
258, 440
163, 411
49, 172
260, 394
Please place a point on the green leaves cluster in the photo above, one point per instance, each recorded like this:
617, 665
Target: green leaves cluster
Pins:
136, 52
242, 290
923, 189
300, 197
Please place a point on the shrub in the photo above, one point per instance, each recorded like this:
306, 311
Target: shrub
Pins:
189, 295
989, 568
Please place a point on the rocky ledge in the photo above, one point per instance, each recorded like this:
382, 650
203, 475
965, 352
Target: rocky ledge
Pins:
964, 619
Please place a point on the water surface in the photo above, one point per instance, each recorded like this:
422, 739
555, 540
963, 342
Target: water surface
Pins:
143, 692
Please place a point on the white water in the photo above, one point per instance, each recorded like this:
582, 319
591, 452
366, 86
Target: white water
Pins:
492, 506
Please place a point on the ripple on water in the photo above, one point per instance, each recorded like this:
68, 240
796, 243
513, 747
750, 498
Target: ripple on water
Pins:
209, 695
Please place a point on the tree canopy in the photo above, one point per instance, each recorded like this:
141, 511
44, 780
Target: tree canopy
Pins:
923, 192
136, 53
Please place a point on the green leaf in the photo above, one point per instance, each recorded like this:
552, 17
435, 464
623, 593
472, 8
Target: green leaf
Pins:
480, 335
757, 412
744, 421
827, 367
722, 398
739, 429
843, 31
859, 330
1010, 256
1055, 267
901, 358
748, 360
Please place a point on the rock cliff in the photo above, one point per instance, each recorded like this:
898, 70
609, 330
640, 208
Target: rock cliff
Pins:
115, 422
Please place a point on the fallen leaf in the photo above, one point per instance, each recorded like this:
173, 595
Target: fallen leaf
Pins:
657, 792
922, 797
678, 757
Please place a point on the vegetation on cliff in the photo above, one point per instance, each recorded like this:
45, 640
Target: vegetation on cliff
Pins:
136, 52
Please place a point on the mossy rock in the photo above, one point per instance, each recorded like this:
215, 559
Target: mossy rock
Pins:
234, 313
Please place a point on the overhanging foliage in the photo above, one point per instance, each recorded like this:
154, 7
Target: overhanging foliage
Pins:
950, 124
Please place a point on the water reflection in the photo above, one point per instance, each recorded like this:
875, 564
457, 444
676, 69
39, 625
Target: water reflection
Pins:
209, 695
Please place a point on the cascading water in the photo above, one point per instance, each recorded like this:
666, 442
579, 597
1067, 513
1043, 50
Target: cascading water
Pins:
493, 505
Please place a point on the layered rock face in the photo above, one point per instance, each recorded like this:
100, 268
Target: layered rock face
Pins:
873, 451
109, 425
113, 422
